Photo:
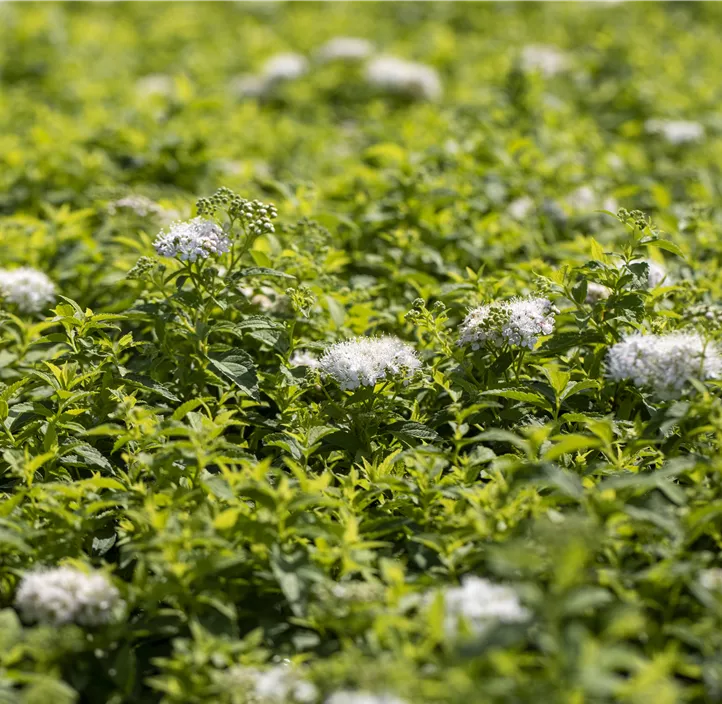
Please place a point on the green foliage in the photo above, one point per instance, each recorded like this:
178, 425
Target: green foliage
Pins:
165, 423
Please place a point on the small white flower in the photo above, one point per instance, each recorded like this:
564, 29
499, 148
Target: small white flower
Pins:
664, 363
545, 59
67, 595
597, 292
284, 67
520, 207
154, 84
349, 697
584, 198
266, 298
358, 592
711, 579
676, 131
193, 239
249, 86
29, 289
367, 360
477, 603
402, 77
140, 205
519, 322
277, 685
303, 358
346, 49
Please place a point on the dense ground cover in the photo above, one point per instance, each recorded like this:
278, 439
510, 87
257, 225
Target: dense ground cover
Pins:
509, 490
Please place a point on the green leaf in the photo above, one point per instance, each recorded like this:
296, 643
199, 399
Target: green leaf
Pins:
237, 367
139, 381
571, 443
410, 431
263, 271
667, 246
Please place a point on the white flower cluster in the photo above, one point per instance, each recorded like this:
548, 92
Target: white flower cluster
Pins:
365, 361
193, 239
281, 68
548, 60
284, 67
585, 199
407, 78
518, 322
477, 603
389, 74
29, 289
349, 697
66, 595
711, 579
346, 49
154, 84
597, 292
140, 205
279, 684
676, 131
303, 358
664, 363
520, 207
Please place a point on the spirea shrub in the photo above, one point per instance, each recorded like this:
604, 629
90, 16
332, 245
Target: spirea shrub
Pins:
261, 442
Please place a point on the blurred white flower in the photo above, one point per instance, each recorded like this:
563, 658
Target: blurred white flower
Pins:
543, 58
346, 49
477, 603
284, 67
303, 358
266, 298
140, 205
664, 363
349, 697
192, 239
357, 591
676, 131
280, 684
597, 292
248, 86
585, 199
365, 361
518, 322
154, 84
711, 579
407, 78
29, 289
66, 595
520, 207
